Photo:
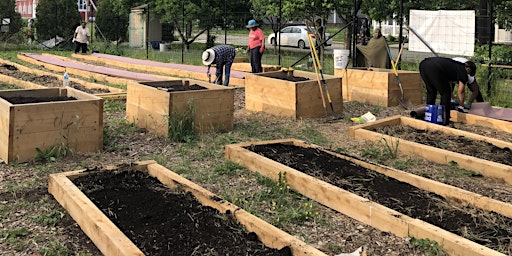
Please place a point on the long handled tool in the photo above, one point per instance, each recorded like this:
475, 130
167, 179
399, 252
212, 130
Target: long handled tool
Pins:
403, 101
318, 77
421, 39
316, 61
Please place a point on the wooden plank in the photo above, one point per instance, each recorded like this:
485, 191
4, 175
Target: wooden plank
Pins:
497, 124
104, 234
77, 72
380, 86
86, 84
352, 205
20, 83
461, 196
419, 124
178, 73
111, 241
486, 168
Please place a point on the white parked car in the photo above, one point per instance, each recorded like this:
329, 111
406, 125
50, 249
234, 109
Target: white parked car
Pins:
295, 36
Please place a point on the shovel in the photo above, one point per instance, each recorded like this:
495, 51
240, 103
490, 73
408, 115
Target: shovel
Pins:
403, 101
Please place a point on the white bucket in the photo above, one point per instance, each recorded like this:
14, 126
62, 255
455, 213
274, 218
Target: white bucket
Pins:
163, 47
341, 58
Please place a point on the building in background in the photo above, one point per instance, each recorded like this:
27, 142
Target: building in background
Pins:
27, 8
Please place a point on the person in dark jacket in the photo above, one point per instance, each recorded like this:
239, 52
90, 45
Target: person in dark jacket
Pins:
222, 56
438, 73
472, 86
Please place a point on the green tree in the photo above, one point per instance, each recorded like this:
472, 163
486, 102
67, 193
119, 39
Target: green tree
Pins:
7, 11
112, 18
57, 18
184, 15
503, 14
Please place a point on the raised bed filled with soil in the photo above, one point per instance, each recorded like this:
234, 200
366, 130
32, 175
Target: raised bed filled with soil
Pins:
146, 209
29, 78
440, 144
295, 94
380, 86
383, 197
49, 118
152, 104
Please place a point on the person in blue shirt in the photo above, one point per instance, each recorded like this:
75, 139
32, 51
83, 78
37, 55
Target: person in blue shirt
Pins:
222, 56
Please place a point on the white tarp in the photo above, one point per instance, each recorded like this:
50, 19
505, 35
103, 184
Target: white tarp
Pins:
449, 32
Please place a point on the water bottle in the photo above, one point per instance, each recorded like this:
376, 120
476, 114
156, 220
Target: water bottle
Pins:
66, 79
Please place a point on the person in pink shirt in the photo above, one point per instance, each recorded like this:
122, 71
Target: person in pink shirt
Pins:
256, 46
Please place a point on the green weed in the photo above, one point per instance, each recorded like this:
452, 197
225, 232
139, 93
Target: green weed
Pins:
50, 218
428, 246
227, 168
391, 147
181, 125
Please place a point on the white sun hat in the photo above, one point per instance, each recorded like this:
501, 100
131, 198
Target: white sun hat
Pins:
208, 57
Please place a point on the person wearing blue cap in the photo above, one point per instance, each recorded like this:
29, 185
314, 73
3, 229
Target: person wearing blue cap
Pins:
256, 46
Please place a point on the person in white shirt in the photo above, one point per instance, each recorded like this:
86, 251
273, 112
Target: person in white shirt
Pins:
81, 38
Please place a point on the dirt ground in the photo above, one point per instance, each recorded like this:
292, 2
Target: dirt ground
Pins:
27, 183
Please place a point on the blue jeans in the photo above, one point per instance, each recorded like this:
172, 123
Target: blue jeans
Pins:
227, 71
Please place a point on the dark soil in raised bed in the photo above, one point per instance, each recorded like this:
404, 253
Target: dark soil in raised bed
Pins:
161, 221
288, 76
486, 228
26, 100
172, 87
48, 81
458, 144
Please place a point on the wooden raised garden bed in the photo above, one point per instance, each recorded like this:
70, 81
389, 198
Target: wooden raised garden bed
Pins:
438, 154
76, 71
29, 78
401, 203
293, 94
46, 118
124, 62
465, 118
144, 208
243, 66
380, 86
151, 104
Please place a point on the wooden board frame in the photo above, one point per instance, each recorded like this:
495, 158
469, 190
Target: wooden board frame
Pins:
24, 127
485, 167
379, 86
364, 210
148, 107
115, 93
295, 100
111, 241
177, 73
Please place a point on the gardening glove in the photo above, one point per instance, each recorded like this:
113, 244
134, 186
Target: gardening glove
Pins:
87, 42
73, 40
262, 50
467, 105
461, 109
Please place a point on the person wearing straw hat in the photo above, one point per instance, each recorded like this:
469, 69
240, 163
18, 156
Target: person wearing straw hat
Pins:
222, 56
256, 46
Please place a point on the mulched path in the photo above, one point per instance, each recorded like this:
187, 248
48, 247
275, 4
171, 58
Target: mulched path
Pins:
165, 222
471, 223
